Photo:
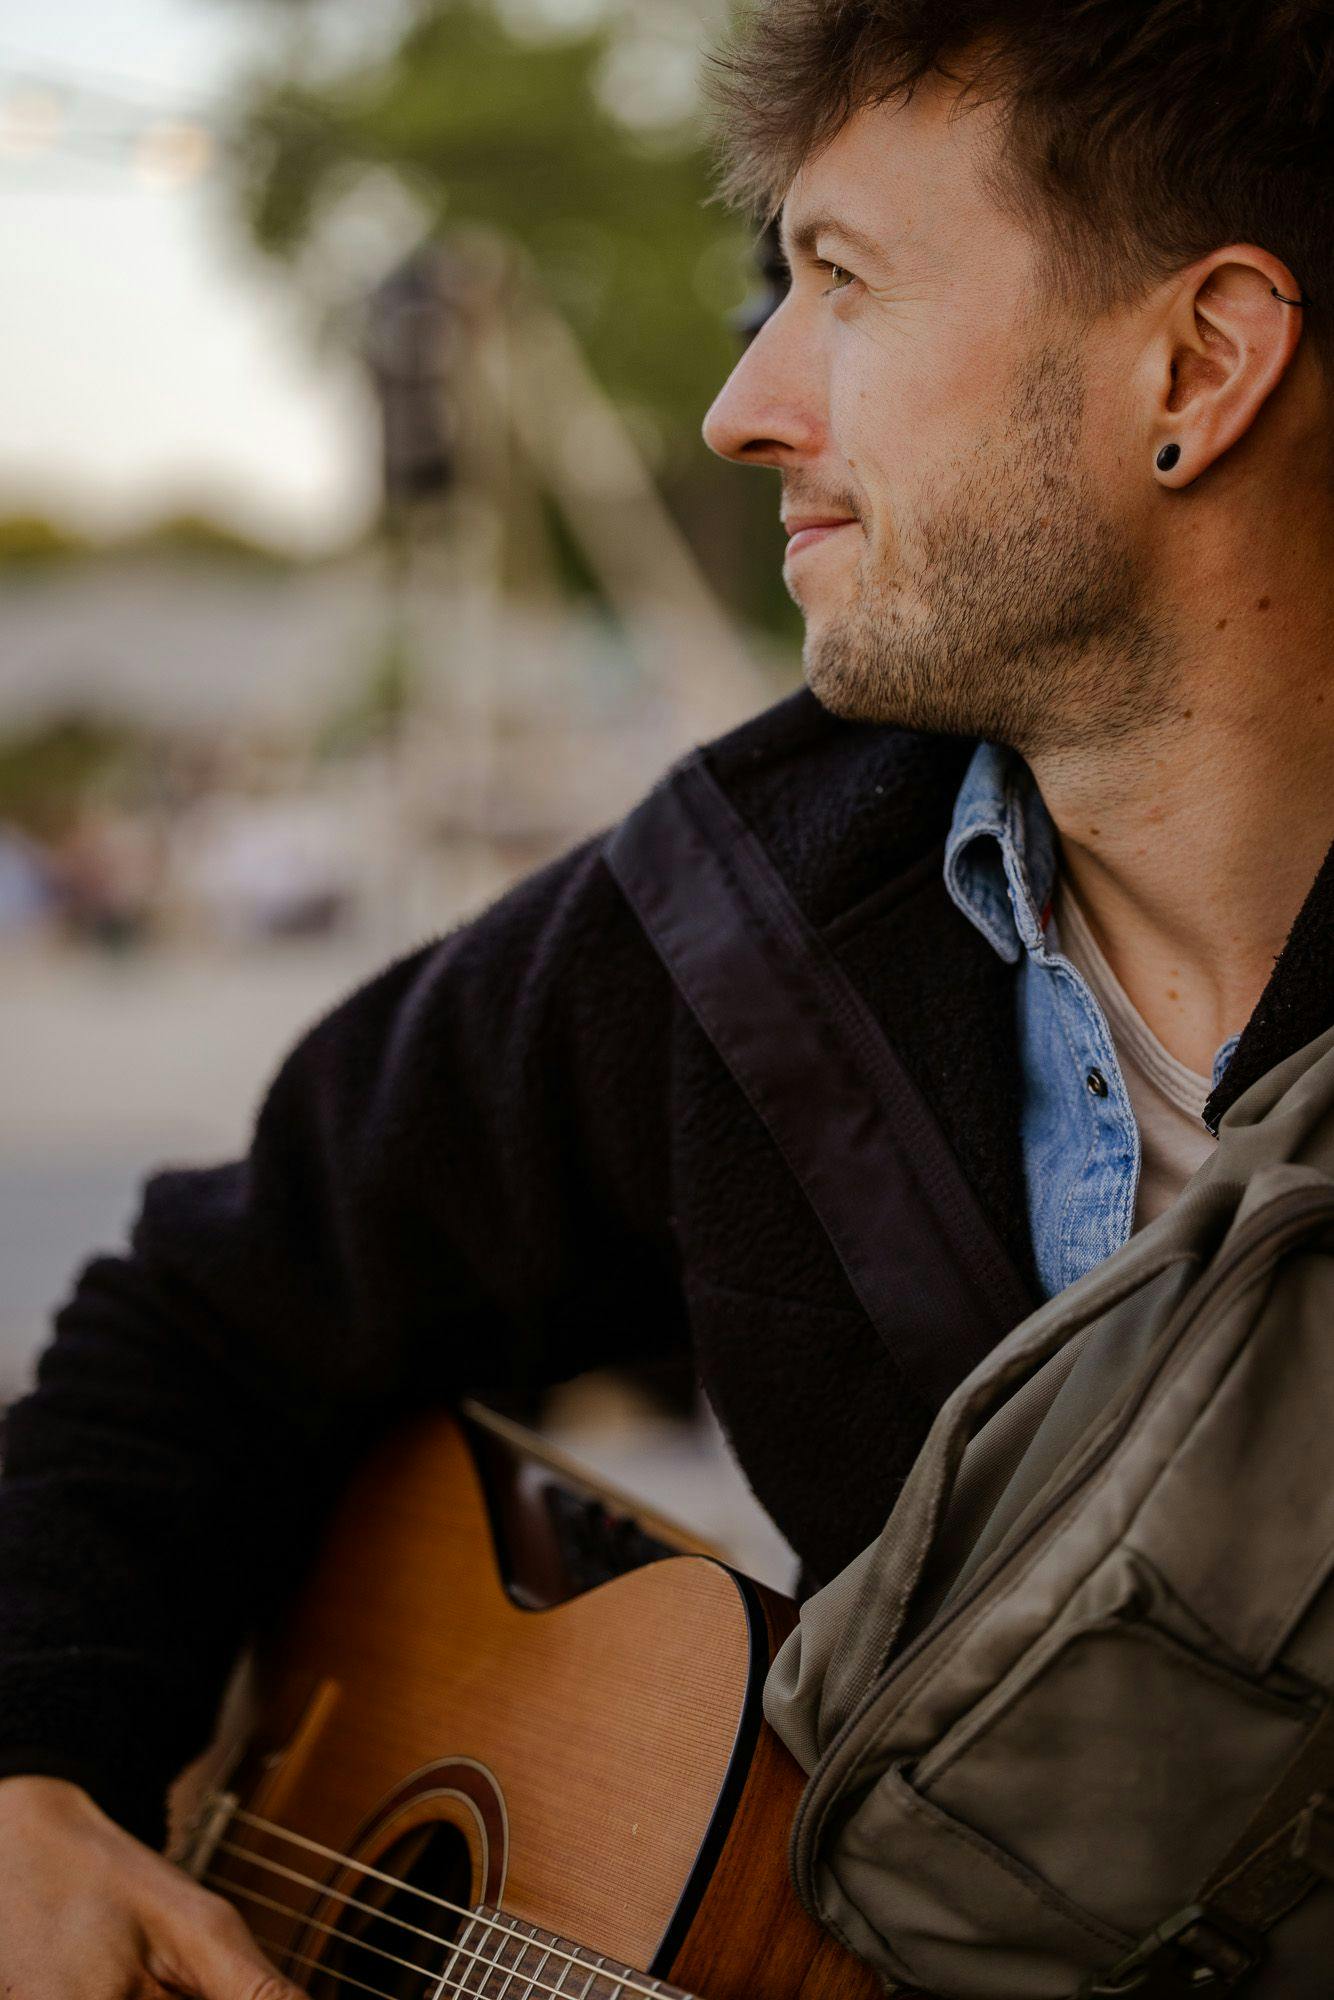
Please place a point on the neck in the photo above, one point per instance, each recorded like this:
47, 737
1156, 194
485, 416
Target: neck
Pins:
1192, 846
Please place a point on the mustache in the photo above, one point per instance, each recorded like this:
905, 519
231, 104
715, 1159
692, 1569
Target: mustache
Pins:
796, 501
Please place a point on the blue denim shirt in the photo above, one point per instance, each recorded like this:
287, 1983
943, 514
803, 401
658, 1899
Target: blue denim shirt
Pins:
1081, 1149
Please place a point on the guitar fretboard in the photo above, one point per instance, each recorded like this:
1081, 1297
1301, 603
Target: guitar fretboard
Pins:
495, 1957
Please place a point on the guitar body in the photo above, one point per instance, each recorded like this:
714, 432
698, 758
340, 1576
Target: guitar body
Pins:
594, 1778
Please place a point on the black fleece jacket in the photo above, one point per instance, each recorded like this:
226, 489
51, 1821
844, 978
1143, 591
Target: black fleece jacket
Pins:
510, 1157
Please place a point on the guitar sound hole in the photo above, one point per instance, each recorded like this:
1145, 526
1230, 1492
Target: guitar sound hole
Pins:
432, 1858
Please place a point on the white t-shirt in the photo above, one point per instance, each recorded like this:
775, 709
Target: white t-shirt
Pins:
1167, 1099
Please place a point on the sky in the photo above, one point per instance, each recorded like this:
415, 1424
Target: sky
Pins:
150, 360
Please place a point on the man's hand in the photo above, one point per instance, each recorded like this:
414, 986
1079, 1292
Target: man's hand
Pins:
88, 1913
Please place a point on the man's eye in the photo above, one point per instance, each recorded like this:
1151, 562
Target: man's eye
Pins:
839, 275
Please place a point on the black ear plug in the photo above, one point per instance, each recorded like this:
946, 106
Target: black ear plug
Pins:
1168, 457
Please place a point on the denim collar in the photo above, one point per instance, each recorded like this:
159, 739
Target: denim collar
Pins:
1000, 854
1000, 861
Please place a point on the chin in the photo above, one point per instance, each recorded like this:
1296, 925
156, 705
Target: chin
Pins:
833, 678
866, 683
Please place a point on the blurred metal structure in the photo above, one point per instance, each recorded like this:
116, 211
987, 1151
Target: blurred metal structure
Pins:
413, 330
494, 429
489, 406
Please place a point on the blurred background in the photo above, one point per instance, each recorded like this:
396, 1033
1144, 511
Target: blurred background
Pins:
358, 552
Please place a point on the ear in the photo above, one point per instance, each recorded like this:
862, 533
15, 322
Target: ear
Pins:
1227, 341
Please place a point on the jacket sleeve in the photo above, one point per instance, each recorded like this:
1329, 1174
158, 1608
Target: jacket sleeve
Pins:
457, 1183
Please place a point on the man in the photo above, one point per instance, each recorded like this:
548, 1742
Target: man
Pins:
1051, 408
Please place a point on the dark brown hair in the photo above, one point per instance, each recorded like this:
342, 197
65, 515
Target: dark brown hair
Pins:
1137, 135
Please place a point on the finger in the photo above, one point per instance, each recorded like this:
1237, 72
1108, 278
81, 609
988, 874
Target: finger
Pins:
216, 1958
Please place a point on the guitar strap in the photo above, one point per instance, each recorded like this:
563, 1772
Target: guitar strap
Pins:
922, 1257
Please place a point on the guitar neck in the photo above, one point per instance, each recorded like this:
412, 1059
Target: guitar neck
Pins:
495, 1955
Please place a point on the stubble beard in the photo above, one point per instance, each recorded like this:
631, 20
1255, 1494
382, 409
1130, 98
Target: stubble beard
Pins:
1021, 615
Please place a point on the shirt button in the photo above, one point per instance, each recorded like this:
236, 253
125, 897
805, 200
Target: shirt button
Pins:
1096, 1082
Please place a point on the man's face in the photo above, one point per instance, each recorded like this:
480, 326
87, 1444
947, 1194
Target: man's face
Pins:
916, 387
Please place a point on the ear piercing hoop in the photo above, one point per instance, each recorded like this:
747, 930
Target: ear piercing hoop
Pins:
1170, 453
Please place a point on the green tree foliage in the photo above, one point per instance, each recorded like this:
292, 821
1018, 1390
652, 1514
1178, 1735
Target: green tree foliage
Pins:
523, 134
46, 772
587, 148
35, 545
32, 542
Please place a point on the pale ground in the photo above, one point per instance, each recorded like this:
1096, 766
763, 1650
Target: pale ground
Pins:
109, 1068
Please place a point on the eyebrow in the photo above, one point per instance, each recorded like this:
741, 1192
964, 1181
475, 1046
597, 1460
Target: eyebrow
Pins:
806, 234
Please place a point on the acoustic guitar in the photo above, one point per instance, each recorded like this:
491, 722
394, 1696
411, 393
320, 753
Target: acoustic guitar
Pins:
460, 1785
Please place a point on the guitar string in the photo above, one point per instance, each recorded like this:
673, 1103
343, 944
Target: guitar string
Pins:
337, 1978
216, 1881
631, 1985
626, 1985
475, 1921
492, 1965
309, 1882
621, 1986
456, 1951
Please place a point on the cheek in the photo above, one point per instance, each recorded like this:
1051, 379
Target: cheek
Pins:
893, 417
906, 438
876, 434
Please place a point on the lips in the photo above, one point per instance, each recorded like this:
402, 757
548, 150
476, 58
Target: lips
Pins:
804, 530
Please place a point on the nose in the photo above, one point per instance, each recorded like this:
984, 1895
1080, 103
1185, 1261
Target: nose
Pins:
770, 410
